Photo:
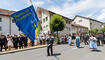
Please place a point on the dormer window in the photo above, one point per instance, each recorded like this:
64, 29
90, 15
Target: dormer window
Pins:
0, 20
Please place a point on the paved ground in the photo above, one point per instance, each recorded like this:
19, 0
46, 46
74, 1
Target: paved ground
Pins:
61, 52
20, 50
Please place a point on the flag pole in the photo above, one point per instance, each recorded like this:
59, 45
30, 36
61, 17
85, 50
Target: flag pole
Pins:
31, 2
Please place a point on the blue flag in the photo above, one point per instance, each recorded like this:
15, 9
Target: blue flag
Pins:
26, 20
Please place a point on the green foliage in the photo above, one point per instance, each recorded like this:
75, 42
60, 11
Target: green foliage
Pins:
90, 31
104, 25
103, 29
93, 31
57, 23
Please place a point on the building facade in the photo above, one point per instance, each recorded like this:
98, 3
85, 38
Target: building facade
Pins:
78, 29
45, 18
88, 22
77, 25
7, 25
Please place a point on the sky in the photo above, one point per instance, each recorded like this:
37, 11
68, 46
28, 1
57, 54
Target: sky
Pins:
70, 8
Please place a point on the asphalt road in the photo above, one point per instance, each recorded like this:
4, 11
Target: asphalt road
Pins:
61, 52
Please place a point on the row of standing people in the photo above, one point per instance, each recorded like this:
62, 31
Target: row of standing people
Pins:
42, 38
92, 40
21, 41
7, 42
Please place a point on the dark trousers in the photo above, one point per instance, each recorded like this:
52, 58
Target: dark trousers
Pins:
40, 42
20, 44
25, 44
5, 47
16, 45
102, 41
43, 41
32, 43
98, 42
86, 42
50, 50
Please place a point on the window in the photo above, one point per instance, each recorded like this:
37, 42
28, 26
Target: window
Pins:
69, 22
66, 22
0, 11
100, 25
43, 12
46, 18
46, 27
18, 29
0, 28
13, 21
90, 23
80, 20
0, 20
74, 22
69, 28
43, 20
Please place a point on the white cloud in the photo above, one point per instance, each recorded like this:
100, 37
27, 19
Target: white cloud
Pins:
92, 14
38, 3
69, 9
102, 15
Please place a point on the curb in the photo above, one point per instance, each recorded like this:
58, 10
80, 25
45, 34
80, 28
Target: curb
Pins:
14, 51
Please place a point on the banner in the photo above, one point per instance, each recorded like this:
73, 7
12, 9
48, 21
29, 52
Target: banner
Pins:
28, 22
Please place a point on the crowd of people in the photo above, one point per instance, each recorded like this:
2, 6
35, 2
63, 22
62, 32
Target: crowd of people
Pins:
15, 41
92, 40
21, 41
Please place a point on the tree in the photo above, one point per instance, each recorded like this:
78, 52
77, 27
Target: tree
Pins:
103, 29
57, 23
93, 31
90, 31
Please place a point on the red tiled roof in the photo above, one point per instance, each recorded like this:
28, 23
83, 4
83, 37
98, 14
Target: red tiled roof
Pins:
6, 12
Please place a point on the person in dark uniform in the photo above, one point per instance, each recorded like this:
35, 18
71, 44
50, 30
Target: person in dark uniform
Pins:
25, 39
104, 38
20, 41
15, 41
81, 37
50, 41
86, 38
99, 39
3, 42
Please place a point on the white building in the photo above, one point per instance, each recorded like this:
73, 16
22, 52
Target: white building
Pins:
78, 29
87, 22
45, 18
7, 25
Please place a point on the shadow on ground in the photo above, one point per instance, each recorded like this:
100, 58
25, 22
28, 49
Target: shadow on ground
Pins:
56, 54
81, 47
96, 51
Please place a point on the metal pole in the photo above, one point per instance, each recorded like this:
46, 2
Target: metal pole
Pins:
10, 25
30, 2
